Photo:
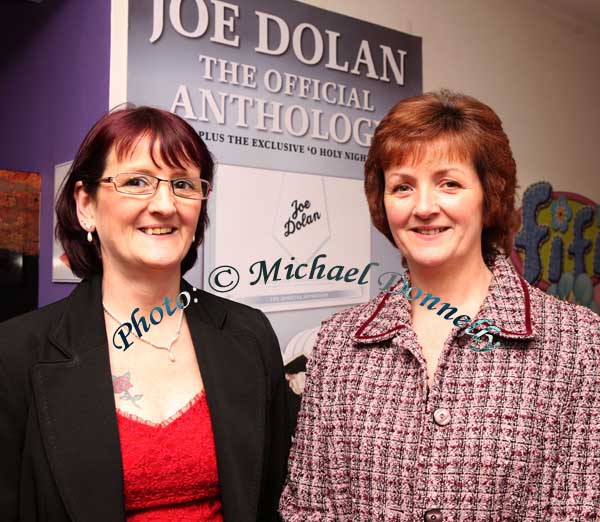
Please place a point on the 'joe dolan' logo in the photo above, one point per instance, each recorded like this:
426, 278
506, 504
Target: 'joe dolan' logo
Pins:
293, 223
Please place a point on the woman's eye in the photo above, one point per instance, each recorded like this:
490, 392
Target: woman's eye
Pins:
452, 184
137, 181
183, 184
401, 188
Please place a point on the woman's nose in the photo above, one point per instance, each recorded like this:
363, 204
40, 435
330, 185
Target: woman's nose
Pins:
163, 199
426, 203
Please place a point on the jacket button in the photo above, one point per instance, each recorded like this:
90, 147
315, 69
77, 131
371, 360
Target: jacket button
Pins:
433, 515
441, 416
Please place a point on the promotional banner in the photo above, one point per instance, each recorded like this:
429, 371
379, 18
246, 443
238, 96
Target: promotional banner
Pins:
271, 83
287, 98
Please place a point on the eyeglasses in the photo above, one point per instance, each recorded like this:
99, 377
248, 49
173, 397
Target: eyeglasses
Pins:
138, 184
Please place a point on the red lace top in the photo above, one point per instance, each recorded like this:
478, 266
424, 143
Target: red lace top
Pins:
170, 469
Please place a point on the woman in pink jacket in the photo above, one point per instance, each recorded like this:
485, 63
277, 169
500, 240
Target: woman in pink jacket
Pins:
400, 420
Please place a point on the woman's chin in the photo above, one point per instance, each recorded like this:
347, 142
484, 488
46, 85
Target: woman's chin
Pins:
160, 263
429, 261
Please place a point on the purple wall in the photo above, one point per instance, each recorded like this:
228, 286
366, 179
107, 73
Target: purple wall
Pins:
54, 70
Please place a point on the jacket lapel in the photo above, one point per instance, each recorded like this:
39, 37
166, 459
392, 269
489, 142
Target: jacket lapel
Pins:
236, 392
75, 403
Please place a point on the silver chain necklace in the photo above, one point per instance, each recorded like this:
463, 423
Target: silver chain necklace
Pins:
168, 347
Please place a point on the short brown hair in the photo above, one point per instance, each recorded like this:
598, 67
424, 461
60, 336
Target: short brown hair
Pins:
123, 128
474, 133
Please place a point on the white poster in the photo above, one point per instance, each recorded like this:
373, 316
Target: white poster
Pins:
294, 240
61, 272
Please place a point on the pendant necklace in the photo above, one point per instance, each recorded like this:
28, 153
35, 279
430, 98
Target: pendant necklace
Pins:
169, 346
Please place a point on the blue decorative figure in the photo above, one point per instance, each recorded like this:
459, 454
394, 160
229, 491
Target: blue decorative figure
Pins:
578, 290
532, 235
561, 214
556, 260
579, 246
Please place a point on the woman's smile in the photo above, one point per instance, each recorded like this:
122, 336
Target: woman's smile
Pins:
430, 233
159, 232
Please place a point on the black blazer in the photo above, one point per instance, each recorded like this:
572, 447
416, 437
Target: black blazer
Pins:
60, 456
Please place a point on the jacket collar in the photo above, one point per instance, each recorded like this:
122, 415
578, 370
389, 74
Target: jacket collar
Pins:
507, 304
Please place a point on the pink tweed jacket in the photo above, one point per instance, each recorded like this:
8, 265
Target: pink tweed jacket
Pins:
507, 435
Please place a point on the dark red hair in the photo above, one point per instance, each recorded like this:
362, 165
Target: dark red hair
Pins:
471, 131
179, 143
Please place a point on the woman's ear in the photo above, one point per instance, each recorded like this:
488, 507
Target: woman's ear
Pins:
86, 207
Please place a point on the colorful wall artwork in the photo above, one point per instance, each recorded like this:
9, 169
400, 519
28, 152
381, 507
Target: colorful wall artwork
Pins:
557, 247
19, 241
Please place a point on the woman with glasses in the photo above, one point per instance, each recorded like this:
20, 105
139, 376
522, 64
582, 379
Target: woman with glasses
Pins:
115, 403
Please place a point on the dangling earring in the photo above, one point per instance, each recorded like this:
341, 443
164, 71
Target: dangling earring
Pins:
89, 236
194, 238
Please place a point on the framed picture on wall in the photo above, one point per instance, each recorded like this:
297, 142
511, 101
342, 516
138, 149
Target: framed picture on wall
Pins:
19, 241
61, 271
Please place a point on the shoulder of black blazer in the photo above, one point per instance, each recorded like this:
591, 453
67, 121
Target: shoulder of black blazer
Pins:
48, 355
